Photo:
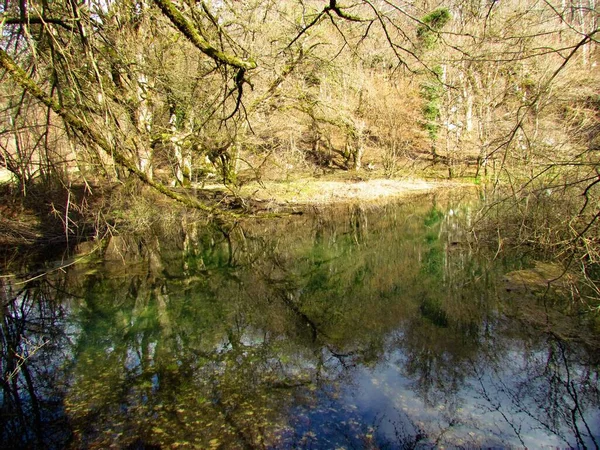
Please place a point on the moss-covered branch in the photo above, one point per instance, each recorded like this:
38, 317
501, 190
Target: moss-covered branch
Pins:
37, 20
190, 32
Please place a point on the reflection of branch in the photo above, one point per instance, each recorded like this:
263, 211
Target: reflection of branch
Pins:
498, 408
560, 404
289, 384
23, 359
307, 320
316, 331
62, 267
576, 409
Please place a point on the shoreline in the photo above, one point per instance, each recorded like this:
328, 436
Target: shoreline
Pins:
307, 192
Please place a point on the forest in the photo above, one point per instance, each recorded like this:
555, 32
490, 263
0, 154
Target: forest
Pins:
107, 105
299, 224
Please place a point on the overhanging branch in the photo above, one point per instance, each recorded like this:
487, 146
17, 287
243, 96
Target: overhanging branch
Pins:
338, 10
38, 20
190, 32
32, 88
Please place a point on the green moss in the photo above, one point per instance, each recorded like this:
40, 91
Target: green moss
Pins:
437, 18
432, 23
432, 91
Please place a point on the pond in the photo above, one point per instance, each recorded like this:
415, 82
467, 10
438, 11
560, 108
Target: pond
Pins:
355, 327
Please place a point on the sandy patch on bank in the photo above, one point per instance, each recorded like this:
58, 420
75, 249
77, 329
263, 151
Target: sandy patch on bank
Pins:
311, 192
5, 176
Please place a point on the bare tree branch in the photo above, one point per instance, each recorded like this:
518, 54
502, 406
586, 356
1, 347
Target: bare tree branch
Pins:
23, 80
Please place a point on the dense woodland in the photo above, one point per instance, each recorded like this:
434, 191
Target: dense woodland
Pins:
108, 96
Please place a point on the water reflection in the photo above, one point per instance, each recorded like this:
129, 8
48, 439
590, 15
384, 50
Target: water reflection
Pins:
35, 344
357, 328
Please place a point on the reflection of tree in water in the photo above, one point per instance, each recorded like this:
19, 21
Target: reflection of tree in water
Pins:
34, 342
254, 335
233, 349
440, 341
552, 385
444, 347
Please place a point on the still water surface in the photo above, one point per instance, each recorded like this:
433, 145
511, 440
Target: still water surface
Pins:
356, 327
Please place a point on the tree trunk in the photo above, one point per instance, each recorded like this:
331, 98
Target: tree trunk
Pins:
144, 124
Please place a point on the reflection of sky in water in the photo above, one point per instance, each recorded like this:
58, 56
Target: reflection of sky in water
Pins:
380, 406
498, 405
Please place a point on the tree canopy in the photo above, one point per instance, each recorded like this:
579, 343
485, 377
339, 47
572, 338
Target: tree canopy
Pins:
175, 92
